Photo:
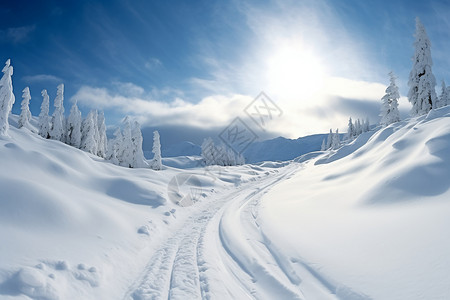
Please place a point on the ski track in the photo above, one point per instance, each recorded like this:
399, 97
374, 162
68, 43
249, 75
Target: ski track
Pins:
242, 264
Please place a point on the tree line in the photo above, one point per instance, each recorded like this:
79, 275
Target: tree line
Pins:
88, 134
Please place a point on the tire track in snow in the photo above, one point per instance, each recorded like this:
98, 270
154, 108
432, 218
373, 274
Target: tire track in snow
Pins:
183, 269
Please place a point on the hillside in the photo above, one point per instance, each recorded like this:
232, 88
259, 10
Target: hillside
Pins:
366, 221
371, 218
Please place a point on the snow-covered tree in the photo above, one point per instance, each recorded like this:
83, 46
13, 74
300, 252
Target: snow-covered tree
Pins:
103, 140
350, 129
126, 149
389, 107
74, 127
324, 145
88, 142
44, 119
114, 146
367, 125
240, 159
96, 132
422, 94
448, 96
7, 98
330, 139
156, 162
138, 154
25, 113
57, 131
444, 97
335, 140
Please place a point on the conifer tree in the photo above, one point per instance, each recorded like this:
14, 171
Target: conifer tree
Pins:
44, 119
138, 154
103, 140
57, 131
25, 114
422, 94
157, 162
126, 150
351, 129
324, 145
88, 142
389, 108
336, 141
444, 96
74, 127
7, 98
330, 139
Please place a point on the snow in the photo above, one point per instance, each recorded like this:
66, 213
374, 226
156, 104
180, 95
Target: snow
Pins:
374, 219
365, 221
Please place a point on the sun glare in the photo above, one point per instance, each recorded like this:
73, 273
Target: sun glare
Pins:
294, 73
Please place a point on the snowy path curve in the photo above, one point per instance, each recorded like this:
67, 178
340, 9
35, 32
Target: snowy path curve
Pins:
221, 253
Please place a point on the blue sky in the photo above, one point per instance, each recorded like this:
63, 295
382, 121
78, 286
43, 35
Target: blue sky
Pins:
193, 66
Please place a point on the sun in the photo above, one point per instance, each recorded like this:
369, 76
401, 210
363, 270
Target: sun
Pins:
294, 72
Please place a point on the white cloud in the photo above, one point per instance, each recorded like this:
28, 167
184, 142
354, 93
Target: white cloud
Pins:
339, 99
41, 78
211, 111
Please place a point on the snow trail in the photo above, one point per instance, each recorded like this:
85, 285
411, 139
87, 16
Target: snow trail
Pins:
220, 252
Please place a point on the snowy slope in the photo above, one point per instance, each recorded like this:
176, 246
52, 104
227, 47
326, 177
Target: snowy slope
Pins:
367, 221
370, 221
73, 226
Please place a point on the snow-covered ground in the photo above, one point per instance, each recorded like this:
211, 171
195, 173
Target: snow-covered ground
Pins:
367, 221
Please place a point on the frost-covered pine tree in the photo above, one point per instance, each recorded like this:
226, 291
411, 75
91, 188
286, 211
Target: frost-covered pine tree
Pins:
350, 129
157, 162
114, 147
25, 113
88, 142
358, 128
44, 119
7, 98
389, 107
57, 131
444, 96
103, 140
330, 139
96, 132
336, 141
448, 96
422, 94
138, 154
367, 125
324, 145
240, 159
126, 150
74, 126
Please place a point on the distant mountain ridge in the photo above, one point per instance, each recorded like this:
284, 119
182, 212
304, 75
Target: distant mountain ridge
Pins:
277, 149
